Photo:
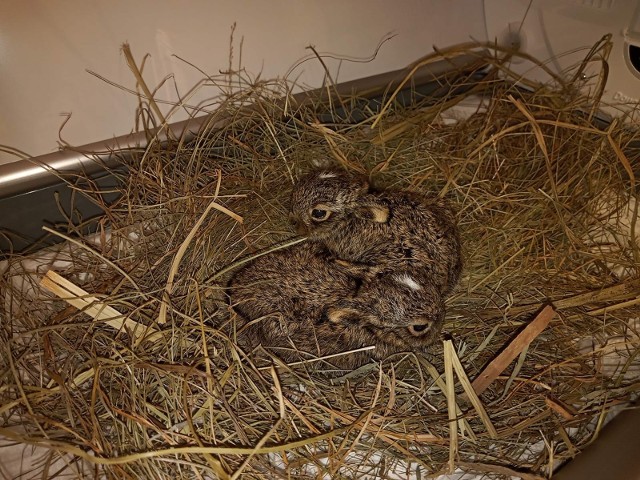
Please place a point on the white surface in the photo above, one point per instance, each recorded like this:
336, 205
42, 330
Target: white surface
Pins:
45, 48
563, 32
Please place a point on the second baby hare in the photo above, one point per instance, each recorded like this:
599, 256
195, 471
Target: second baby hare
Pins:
298, 303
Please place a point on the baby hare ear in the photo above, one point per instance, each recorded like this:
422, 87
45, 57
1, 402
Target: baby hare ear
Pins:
343, 315
373, 210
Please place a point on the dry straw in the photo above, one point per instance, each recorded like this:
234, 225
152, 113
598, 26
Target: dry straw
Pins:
542, 189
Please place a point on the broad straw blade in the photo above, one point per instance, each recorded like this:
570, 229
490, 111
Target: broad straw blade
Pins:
513, 349
82, 300
466, 384
451, 409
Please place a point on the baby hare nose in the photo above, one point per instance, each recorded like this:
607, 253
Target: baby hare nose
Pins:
301, 228
298, 226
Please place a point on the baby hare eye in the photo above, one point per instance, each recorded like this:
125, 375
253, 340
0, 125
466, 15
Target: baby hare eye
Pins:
319, 214
418, 328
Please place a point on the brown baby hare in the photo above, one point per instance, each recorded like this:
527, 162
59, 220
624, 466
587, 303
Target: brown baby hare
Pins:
385, 231
299, 303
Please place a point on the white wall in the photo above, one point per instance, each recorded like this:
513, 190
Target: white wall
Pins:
46, 46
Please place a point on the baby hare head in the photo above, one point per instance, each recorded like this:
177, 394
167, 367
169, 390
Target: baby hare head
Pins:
400, 304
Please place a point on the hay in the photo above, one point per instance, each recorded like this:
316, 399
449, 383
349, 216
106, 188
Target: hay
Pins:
541, 188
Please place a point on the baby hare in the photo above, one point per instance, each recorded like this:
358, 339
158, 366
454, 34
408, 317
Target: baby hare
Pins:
384, 231
299, 304
394, 301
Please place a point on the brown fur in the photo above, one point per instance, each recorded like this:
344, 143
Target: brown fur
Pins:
418, 234
284, 302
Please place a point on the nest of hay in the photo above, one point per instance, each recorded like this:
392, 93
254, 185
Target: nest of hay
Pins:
126, 365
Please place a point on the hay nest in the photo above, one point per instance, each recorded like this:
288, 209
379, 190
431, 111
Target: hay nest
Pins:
125, 365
